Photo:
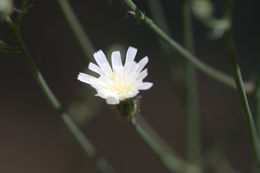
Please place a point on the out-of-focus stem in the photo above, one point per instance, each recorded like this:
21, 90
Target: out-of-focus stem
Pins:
99, 162
77, 28
252, 132
248, 117
159, 16
194, 130
22, 12
84, 41
257, 103
164, 153
211, 72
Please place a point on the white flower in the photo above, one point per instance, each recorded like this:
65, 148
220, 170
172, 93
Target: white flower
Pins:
117, 82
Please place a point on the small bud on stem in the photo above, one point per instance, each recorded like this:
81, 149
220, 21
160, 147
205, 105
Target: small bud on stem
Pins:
6, 8
129, 107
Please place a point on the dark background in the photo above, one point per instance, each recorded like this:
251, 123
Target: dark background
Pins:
33, 138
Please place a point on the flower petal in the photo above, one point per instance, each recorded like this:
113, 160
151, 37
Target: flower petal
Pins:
101, 60
130, 56
142, 63
145, 86
112, 100
93, 67
116, 61
86, 78
143, 74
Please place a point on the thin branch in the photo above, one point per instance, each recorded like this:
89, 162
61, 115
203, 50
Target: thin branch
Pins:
22, 12
194, 129
100, 163
252, 132
77, 28
211, 72
163, 152
257, 103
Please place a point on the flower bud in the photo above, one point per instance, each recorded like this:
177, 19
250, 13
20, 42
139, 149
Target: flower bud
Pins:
202, 8
6, 8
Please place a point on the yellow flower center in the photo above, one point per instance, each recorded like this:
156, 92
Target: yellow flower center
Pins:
120, 84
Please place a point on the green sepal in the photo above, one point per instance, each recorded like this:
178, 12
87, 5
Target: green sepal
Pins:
129, 108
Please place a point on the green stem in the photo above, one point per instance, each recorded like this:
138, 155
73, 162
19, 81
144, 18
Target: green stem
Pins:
77, 28
211, 72
100, 163
257, 103
84, 41
22, 13
252, 132
194, 134
163, 152
158, 16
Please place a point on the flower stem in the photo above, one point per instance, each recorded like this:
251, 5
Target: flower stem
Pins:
77, 28
100, 163
211, 72
84, 41
248, 117
257, 103
252, 132
194, 134
22, 13
159, 16
164, 153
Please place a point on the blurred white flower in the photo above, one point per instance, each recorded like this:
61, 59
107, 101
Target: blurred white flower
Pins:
6, 8
117, 82
202, 8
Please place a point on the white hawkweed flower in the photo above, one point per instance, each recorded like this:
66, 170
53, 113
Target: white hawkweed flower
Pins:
117, 82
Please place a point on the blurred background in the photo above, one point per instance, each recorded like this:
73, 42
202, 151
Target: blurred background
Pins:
33, 138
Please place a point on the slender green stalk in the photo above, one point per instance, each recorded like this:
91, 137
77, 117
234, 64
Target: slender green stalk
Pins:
257, 103
164, 153
159, 16
252, 132
192, 107
77, 28
84, 41
211, 72
100, 163
22, 12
